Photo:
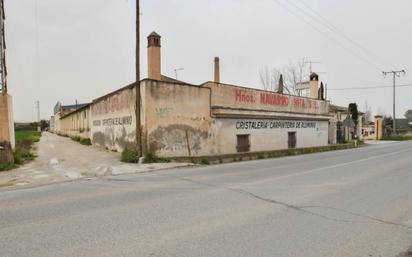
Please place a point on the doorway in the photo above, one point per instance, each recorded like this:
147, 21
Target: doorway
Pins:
292, 139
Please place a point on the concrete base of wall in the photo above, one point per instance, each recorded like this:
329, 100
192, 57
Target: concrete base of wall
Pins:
261, 155
6, 153
6, 120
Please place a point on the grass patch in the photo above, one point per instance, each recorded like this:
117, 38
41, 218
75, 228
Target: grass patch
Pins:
85, 141
151, 157
27, 136
360, 143
24, 147
75, 138
397, 138
129, 156
7, 166
204, 162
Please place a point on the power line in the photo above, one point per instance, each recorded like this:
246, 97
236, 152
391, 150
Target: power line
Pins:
355, 54
368, 87
395, 74
323, 21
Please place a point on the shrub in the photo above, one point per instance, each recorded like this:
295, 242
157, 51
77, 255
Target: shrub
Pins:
151, 157
22, 155
129, 156
204, 162
85, 141
397, 138
75, 138
7, 166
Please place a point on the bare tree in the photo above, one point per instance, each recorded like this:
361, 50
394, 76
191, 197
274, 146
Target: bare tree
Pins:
293, 74
269, 78
368, 113
380, 111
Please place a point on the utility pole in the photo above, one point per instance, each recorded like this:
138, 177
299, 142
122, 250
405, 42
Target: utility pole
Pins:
139, 147
394, 74
38, 115
3, 69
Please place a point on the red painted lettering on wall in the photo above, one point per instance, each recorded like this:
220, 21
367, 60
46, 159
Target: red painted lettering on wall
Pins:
305, 103
244, 97
112, 104
273, 99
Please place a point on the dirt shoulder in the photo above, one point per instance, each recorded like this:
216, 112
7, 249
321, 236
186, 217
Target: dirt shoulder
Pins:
61, 159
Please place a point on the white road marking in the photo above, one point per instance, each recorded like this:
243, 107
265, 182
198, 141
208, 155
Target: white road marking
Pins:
341, 164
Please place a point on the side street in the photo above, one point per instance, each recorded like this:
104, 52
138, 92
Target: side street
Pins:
61, 159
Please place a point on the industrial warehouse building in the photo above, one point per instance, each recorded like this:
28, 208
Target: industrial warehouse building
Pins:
171, 118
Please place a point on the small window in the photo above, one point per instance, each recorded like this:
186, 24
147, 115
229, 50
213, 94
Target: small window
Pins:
292, 139
243, 143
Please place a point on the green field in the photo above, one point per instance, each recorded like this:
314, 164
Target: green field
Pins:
27, 136
23, 152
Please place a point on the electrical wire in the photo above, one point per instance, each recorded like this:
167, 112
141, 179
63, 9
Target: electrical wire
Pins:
355, 54
368, 87
322, 20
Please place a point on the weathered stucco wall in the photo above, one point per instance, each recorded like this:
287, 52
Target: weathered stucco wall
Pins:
6, 119
113, 123
177, 119
269, 134
234, 97
184, 120
76, 123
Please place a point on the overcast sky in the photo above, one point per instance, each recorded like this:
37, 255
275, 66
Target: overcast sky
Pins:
86, 47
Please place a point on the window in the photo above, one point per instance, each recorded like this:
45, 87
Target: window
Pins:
243, 143
292, 139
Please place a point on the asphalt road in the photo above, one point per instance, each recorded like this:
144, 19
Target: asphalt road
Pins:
346, 203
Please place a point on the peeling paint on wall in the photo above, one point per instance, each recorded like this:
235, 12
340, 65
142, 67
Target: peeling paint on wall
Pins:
114, 120
177, 139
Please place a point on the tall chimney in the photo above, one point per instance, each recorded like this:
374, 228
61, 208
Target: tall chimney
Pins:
154, 56
217, 70
314, 86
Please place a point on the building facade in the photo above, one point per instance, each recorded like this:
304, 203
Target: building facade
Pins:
178, 119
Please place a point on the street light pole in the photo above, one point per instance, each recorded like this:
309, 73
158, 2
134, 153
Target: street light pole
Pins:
394, 74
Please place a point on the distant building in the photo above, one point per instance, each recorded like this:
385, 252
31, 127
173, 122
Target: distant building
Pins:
60, 111
402, 123
341, 125
368, 131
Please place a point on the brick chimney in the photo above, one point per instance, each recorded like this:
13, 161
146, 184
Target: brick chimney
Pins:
314, 86
154, 56
217, 70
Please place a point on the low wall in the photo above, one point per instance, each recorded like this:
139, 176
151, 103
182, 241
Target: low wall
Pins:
226, 158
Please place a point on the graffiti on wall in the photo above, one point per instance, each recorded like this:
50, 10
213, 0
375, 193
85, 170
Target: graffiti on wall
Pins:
119, 121
256, 125
163, 112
